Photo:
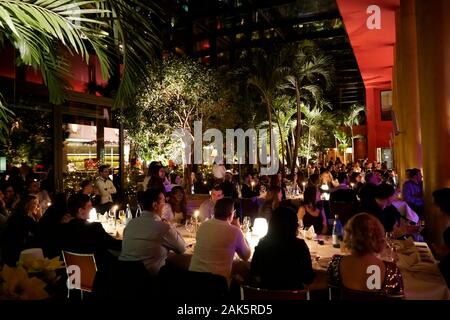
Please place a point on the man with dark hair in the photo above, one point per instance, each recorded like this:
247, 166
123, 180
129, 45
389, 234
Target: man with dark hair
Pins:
207, 207
105, 189
82, 236
367, 192
343, 193
218, 240
381, 207
149, 239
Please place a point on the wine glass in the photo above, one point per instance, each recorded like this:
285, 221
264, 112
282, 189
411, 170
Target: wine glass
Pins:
189, 226
122, 216
111, 214
246, 224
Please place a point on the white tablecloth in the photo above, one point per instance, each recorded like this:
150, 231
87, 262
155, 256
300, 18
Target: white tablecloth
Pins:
421, 277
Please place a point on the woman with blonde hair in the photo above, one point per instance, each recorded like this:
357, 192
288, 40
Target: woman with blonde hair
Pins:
21, 230
364, 238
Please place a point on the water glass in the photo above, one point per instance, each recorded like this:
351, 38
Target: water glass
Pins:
245, 225
189, 226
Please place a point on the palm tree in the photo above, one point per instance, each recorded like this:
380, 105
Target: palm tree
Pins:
263, 72
343, 140
311, 121
309, 69
283, 113
352, 118
38, 29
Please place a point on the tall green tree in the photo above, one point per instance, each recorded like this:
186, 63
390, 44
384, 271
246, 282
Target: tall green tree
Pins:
177, 92
352, 117
309, 73
264, 73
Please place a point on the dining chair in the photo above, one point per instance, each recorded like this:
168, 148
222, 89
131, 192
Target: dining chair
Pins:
253, 293
86, 266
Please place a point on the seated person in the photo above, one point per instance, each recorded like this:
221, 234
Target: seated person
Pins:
364, 237
247, 191
218, 240
271, 202
281, 260
412, 191
381, 207
175, 211
442, 201
228, 187
50, 225
21, 230
343, 192
310, 213
207, 207
81, 236
148, 238
367, 191
200, 185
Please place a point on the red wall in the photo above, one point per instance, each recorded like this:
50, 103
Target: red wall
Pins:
378, 132
78, 70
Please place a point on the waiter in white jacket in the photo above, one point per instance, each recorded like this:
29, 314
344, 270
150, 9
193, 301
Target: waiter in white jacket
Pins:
105, 189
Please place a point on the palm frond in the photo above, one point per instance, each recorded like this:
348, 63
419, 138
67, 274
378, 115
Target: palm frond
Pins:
136, 39
38, 27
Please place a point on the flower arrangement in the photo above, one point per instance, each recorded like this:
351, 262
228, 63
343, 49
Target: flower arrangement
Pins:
30, 279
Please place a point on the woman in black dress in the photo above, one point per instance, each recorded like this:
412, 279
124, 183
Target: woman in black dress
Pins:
311, 213
281, 260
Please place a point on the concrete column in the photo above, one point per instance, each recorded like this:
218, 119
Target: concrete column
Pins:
407, 111
433, 61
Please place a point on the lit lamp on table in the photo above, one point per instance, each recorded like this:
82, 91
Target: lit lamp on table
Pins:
260, 227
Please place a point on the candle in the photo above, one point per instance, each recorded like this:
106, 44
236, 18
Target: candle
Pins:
253, 184
303, 184
352, 185
196, 213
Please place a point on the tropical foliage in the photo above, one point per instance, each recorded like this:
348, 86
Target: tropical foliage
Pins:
178, 92
44, 31
290, 83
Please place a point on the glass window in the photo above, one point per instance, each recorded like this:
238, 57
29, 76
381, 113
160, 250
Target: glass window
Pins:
386, 105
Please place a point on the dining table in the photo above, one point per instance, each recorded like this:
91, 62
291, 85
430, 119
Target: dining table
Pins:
421, 276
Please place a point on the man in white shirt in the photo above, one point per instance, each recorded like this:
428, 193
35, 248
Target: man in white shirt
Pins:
217, 242
148, 238
105, 189
207, 207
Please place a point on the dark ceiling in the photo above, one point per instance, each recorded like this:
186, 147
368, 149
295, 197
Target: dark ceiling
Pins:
216, 31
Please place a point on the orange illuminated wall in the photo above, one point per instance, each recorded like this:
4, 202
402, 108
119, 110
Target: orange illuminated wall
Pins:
374, 52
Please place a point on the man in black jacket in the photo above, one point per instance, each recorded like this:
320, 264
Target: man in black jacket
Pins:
82, 236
